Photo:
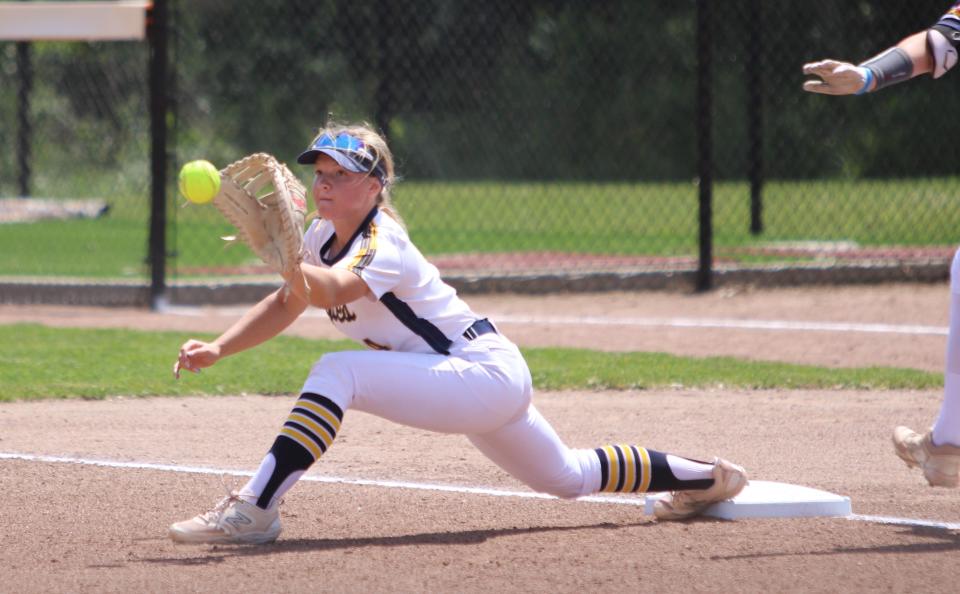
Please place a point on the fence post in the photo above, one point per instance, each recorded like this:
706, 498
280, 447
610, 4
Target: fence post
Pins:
383, 68
158, 32
25, 75
755, 114
704, 143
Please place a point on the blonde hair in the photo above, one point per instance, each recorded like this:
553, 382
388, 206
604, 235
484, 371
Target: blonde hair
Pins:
382, 156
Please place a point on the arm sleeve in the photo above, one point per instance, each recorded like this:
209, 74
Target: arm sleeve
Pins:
377, 259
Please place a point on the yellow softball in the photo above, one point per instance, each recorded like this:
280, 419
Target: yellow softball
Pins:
199, 181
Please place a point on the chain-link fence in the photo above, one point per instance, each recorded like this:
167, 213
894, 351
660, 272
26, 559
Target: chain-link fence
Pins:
844, 182
533, 137
550, 137
74, 172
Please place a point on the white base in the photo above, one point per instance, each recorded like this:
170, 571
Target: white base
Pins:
767, 499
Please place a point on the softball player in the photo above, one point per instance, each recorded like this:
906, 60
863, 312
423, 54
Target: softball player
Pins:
934, 50
433, 363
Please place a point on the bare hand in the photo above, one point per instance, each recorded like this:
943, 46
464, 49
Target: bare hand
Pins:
838, 78
195, 355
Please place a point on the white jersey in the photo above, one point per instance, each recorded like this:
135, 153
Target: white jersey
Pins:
411, 310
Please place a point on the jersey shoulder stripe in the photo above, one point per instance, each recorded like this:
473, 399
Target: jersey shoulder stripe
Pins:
367, 250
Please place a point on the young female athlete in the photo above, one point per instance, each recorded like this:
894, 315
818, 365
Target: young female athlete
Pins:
433, 363
934, 51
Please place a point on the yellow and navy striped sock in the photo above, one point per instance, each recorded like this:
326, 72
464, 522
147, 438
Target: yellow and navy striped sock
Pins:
309, 430
631, 469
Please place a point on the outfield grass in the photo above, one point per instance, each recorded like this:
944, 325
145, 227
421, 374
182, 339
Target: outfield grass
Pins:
604, 218
38, 362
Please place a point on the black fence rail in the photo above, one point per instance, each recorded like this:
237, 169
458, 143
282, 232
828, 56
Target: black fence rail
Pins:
557, 143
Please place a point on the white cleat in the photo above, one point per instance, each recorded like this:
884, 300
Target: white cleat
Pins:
728, 480
233, 520
940, 464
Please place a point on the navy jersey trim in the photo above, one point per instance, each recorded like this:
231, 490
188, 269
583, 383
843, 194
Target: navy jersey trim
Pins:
604, 470
346, 248
419, 326
325, 402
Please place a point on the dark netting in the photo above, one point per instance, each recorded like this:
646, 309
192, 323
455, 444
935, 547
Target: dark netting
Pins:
532, 137
552, 137
74, 180
849, 184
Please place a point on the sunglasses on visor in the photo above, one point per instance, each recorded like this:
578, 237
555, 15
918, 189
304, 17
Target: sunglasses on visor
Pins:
355, 150
346, 143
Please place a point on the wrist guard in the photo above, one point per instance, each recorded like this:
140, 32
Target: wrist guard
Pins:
890, 67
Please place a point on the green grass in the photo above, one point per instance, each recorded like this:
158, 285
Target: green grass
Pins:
38, 362
108, 247
42, 362
601, 218
573, 369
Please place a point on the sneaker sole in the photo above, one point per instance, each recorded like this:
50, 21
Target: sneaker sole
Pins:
906, 457
942, 480
663, 511
253, 538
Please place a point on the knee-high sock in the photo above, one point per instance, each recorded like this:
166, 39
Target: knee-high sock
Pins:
627, 469
309, 430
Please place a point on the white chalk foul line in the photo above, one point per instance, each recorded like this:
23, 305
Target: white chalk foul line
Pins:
905, 522
635, 501
312, 478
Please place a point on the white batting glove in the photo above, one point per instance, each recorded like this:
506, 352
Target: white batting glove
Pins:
839, 78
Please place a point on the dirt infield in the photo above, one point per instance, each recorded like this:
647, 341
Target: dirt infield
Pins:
80, 527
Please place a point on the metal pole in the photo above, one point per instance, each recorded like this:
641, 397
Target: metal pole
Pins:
755, 114
25, 75
704, 143
158, 32
383, 96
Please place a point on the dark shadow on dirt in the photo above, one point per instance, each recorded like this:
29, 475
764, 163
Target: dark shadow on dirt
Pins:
220, 553
941, 541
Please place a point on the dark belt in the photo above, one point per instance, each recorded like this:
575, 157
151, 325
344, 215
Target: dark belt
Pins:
479, 328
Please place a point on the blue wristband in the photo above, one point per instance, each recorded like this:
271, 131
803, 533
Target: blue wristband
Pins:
866, 85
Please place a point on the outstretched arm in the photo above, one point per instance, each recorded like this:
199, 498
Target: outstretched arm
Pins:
933, 50
262, 322
909, 58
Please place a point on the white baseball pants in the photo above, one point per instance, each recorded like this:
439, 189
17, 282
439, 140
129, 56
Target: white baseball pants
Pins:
482, 389
946, 429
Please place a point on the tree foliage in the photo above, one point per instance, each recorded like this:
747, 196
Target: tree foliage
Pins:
503, 89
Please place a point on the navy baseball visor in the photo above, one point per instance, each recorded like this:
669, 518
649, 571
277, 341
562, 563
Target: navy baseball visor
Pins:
348, 151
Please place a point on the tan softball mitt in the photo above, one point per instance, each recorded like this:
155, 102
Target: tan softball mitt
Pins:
267, 204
